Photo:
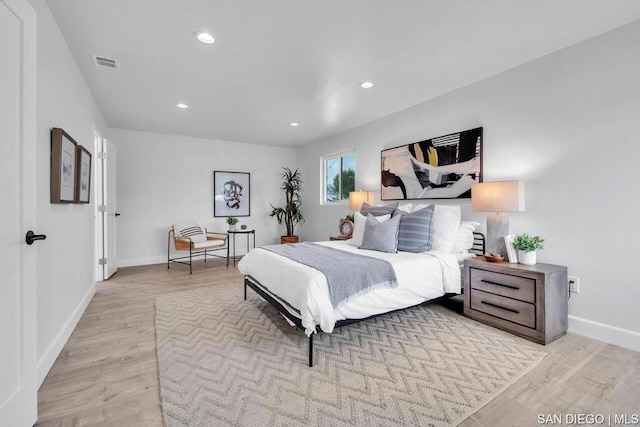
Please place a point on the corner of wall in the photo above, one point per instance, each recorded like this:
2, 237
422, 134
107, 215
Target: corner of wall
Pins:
606, 333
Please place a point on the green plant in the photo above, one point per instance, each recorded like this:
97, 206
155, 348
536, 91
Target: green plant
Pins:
350, 217
290, 213
232, 220
524, 242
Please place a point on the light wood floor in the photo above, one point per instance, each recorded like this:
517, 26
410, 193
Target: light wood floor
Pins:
107, 374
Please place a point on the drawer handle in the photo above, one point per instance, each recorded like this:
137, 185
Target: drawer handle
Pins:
499, 306
500, 284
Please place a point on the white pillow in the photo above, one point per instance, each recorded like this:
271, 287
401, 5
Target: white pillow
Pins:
407, 207
445, 223
464, 237
359, 222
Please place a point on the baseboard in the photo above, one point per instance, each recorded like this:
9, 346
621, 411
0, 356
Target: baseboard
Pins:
51, 354
132, 262
607, 333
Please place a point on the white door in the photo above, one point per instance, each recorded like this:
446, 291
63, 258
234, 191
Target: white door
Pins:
109, 200
18, 390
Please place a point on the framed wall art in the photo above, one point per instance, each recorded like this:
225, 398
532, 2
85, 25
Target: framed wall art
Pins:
83, 175
231, 194
439, 168
63, 167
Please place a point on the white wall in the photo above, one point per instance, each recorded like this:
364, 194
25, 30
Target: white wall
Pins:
65, 259
569, 126
166, 179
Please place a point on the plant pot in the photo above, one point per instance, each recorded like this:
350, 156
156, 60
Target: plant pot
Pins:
233, 227
288, 239
527, 258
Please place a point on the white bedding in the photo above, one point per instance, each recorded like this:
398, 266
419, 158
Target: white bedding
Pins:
421, 277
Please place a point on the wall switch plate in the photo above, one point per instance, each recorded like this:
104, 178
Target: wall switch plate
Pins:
574, 284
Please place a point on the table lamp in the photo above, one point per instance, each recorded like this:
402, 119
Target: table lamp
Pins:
357, 198
497, 196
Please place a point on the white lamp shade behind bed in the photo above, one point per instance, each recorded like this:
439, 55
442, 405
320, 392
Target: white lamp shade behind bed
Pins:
357, 198
497, 196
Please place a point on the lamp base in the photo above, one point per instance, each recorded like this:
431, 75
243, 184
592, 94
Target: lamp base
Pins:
497, 228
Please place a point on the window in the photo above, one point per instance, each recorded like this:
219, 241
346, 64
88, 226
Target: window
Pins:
339, 176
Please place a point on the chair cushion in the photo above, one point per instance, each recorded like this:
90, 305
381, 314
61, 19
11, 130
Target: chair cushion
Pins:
193, 231
208, 244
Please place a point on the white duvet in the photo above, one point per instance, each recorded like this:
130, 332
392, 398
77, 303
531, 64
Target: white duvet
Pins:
421, 277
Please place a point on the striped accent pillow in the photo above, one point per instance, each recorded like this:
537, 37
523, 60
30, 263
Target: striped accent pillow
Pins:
378, 210
194, 232
415, 233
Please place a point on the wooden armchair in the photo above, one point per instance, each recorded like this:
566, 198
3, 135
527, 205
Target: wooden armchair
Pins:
194, 238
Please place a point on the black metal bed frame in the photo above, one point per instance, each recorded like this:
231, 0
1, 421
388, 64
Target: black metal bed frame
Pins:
478, 248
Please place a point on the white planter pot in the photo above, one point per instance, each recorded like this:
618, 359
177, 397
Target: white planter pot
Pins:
232, 227
527, 258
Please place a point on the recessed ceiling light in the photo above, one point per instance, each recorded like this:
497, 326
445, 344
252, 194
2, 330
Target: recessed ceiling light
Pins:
183, 106
366, 85
205, 37
294, 124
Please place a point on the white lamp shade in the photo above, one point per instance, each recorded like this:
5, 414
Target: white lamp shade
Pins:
357, 198
498, 196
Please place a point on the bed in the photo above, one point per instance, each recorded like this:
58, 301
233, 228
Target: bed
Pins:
301, 293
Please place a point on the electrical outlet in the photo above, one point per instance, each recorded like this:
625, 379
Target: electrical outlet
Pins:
574, 284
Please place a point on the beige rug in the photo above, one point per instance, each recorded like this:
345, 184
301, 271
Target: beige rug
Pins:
224, 361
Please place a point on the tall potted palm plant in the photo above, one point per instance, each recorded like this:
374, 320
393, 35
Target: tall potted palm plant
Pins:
290, 213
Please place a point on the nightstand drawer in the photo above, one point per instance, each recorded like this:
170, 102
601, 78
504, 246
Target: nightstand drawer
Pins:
521, 288
509, 309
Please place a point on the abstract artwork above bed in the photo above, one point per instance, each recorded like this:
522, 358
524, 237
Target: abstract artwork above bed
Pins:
439, 168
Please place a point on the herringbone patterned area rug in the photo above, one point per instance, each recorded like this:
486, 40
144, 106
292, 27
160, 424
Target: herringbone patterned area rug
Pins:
224, 361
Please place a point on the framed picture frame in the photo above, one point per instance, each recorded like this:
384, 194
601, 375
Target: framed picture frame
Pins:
231, 194
63, 167
439, 168
83, 175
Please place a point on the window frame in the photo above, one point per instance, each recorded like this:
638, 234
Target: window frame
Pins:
323, 176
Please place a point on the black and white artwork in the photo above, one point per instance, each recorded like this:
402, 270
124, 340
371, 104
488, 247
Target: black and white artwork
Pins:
231, 194
439, 168
83, 174
63, 167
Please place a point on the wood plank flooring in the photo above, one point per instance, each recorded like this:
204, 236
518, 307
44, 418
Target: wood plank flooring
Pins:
107, 374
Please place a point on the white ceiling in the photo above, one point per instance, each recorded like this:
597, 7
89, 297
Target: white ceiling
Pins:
280, 61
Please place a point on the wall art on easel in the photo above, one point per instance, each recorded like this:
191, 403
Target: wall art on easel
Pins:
439, 168
231, 194
63, 167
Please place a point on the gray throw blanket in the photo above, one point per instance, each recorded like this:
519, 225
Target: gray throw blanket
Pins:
347, 274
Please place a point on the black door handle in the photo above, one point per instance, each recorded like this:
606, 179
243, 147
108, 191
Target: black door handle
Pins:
32, 237
117, 214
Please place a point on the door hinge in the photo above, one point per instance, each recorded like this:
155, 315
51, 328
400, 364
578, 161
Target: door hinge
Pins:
102, 261
102, 155
102, 208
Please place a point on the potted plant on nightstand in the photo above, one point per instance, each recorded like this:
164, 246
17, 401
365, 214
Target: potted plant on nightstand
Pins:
527, 247
232, 221
290, 213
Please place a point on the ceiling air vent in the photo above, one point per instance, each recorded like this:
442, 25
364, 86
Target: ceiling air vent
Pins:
104, 63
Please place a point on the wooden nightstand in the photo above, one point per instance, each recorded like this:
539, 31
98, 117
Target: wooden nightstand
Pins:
529, 301
339, 237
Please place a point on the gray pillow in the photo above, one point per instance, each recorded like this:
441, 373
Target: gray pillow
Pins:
414, 233
378, 210
381, 236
